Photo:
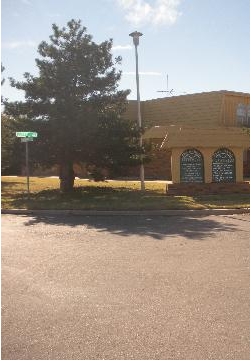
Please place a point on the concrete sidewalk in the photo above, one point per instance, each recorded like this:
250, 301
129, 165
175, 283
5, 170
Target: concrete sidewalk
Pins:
169, 212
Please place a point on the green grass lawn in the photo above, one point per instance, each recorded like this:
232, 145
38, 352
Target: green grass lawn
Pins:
109, 195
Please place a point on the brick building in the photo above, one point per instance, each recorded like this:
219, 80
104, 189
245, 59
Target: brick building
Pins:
210, 128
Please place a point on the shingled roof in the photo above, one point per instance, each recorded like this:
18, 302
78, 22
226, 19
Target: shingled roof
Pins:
207, 109
179, 136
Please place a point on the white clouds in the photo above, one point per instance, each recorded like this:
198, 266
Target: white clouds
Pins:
26, 2
142, 12
154, 73
18, 44
122, 47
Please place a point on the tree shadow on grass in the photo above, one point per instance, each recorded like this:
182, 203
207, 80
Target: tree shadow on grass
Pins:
110, 198
94, 197
156, 227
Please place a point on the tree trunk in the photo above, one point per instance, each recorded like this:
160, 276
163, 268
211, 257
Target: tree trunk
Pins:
66, 176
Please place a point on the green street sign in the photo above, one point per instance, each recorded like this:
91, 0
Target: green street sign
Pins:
26, 134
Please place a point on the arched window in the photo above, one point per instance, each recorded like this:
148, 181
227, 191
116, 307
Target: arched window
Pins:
223, 166
191, 166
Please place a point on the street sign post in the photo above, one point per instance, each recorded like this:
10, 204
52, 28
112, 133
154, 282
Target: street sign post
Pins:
27, 137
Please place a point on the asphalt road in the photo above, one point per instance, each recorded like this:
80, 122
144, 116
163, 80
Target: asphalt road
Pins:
125, 287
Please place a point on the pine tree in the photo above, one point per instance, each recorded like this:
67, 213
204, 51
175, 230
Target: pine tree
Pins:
74, 99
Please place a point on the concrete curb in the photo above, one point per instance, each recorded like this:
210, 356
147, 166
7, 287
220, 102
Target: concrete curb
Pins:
174, 212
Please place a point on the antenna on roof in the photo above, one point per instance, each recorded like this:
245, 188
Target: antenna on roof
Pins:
166, 91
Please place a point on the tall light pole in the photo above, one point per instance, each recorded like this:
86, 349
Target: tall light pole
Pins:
135, 35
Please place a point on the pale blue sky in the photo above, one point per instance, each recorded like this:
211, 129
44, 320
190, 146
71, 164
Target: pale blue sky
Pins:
203, 45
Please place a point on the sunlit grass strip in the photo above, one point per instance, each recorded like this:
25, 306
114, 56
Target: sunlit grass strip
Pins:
109, 195
40, 183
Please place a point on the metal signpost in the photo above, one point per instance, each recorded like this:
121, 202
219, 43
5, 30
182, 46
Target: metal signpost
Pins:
27, 137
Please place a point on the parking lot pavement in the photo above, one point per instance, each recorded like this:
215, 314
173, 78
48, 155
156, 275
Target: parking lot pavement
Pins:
125, 287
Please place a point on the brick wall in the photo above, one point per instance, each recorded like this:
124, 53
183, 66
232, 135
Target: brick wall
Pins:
207, 188
160, 165
158, 168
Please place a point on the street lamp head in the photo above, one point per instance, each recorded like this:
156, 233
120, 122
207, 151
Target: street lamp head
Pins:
135, 35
